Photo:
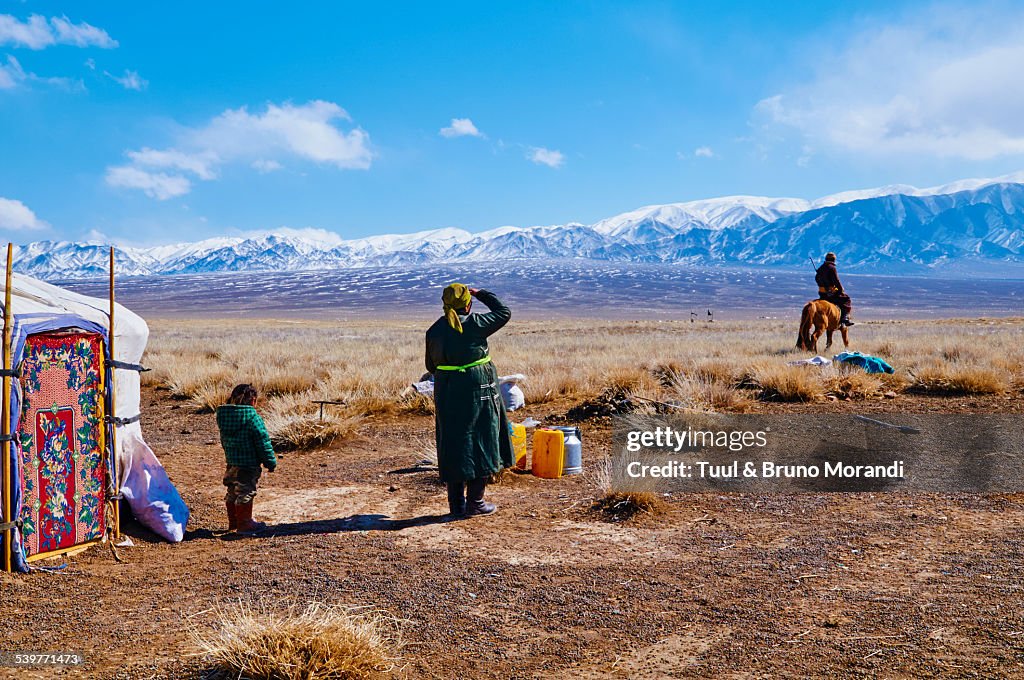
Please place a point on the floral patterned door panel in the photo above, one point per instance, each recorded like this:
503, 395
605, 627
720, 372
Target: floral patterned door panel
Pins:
61, 441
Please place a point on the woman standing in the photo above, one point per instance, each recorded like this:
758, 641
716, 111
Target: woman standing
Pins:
471, 426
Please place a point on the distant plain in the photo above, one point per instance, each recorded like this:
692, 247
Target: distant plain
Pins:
577, 288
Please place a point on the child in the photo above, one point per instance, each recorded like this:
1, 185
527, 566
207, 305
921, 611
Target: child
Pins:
246, 446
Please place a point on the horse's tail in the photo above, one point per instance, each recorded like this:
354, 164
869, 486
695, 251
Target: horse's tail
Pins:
803, 336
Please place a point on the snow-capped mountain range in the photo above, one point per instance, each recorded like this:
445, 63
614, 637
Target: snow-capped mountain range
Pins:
888, 228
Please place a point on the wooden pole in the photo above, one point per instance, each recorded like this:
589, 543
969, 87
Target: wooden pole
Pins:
5, 411
112, 466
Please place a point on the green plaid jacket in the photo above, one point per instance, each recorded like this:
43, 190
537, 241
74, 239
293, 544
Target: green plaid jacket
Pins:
244, 437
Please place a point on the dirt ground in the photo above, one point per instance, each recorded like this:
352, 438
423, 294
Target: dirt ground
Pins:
839, 585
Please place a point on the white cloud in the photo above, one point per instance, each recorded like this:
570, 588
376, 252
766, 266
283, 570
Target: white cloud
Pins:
80, 35
202, 165
461, 127
37, 33
548, 157
158, 185
15, 215
264, 166
90, 64
704, 152
309, 132
12, 75
129, 81
945, 84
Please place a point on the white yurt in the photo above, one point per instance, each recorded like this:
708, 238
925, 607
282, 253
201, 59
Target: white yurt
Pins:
72, 443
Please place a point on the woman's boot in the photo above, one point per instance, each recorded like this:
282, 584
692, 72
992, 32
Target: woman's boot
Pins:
456, 498
475, 503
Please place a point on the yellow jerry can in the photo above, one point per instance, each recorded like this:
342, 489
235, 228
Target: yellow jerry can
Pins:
548, 453
518, 434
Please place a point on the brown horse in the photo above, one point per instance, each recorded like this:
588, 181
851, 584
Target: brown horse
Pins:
824, 316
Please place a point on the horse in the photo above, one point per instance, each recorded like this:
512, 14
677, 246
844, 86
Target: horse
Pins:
824, 316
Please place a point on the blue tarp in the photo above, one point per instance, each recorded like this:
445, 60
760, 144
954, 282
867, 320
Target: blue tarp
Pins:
866, 361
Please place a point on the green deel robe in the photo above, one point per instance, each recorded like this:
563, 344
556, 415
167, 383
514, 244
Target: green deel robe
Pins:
471, 426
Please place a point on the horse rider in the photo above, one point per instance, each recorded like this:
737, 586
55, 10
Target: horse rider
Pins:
831, 289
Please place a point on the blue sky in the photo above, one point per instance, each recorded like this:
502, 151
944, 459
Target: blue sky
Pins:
160, 123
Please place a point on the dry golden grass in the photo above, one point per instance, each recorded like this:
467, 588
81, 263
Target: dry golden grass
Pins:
701, 391
850, 382
295, 422
788, 383
626, 504
312, 641
720, 366
956, 379
621, 499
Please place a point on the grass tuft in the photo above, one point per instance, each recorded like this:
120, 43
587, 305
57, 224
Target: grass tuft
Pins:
620, 499
294, 422
207, 398
788, 383
701, 391
623, 505
956, 380
314, 641
852, 384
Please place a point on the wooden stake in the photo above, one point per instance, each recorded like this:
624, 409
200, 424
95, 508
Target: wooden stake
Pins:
5, 411
112, 466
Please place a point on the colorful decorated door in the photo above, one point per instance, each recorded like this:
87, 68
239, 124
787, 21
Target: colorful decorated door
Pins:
61, 440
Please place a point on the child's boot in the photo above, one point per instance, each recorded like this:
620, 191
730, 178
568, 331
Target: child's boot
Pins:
246, 525
232, 518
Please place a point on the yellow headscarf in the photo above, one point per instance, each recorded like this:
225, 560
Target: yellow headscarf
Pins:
456, 296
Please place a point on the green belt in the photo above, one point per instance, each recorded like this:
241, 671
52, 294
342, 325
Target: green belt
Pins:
462, 369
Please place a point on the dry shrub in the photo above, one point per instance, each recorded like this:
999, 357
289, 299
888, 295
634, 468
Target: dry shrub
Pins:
787, 383
958, 380
716, 372
371, 390
665, 372
316, 641
272, 384
959, 353
187, 378
886, 348
702, 393
208, 398
855, 384
621, 505
895, 382
294, 422
952, 354
416, 404
545, 385
1012, 366
628, 379
152, 378
621, 501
